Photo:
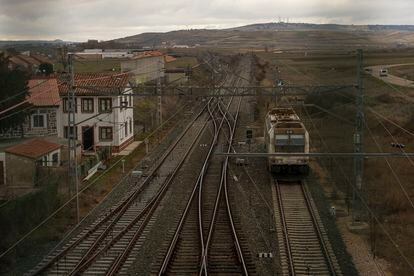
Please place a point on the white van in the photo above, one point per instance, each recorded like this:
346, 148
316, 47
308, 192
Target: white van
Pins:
383, 72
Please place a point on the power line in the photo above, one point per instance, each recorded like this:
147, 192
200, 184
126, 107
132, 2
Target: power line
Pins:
394, 139
362, 200
391, 168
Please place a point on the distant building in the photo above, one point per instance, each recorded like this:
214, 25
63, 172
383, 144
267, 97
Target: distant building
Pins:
181, 46
27, 62
21, 164
145, 66
103, 112
44, 97
103, 54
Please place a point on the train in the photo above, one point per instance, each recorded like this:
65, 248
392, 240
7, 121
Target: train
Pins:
286, 133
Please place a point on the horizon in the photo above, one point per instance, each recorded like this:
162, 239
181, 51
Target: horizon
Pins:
104, 20
205, 28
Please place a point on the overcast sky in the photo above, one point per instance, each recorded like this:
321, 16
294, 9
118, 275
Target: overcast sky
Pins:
79, 20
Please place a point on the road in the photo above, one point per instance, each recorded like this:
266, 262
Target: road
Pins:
390, 78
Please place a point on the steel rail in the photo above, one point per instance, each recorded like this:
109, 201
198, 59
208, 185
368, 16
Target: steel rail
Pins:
223, 185
284, 229
146, 213
317, 229
177, 232
118, 211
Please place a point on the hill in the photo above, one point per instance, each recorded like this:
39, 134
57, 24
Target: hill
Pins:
284, 36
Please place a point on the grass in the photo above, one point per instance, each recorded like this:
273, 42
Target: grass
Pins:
182, 62
406, 71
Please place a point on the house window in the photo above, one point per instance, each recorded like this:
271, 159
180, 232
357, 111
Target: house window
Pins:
44, 161
105, 105
130, 125
39, 120
87, 105
105, 133
123, 101
130, 100
55, 159
126, 128
66, 105
72, 134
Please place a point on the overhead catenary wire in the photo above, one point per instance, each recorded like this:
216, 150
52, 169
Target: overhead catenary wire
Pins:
394, 139
403, 188
372, 213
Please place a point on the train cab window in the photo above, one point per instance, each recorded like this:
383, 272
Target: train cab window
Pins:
282, 140
298, 140
290, 143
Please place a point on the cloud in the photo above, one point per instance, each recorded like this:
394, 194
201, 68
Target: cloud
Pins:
104, 19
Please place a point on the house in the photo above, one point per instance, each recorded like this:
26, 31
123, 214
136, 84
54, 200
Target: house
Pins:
145, 66
104, 112
45, 101
21, 164
28, 62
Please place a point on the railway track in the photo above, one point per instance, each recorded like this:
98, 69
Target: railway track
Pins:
205, 240
303, 243
106, 246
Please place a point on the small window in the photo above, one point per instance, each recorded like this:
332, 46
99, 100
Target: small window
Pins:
44, 161
105, 105
105, 133
39, 120
66, 105
130, 100
126, 128
87, 105
55, 159
72, 134
130, 125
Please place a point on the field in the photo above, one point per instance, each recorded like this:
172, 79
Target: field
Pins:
94, 66
405, 71
388, 189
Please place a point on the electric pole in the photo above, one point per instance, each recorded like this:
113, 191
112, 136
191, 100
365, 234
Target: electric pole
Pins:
159, 104
358, 141
72, 135
159, 91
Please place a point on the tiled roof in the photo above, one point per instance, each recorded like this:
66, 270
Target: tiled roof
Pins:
43, 92
41, 58
91, 84
28, 59
33, 149
169, 59
148, 54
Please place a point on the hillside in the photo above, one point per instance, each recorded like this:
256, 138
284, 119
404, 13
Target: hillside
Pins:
284, 36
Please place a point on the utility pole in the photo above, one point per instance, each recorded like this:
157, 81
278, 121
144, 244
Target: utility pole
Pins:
159, 99
358, 141
159, 91
72, 135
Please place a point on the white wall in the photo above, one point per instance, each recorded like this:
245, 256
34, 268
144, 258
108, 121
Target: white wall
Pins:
145, 69
115, 119
116, 55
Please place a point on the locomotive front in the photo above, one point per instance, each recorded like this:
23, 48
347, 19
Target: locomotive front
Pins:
286, 134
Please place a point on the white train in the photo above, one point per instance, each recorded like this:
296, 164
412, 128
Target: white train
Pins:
285, 133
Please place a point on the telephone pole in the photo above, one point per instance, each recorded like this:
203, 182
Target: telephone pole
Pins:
72, 135
358, 141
